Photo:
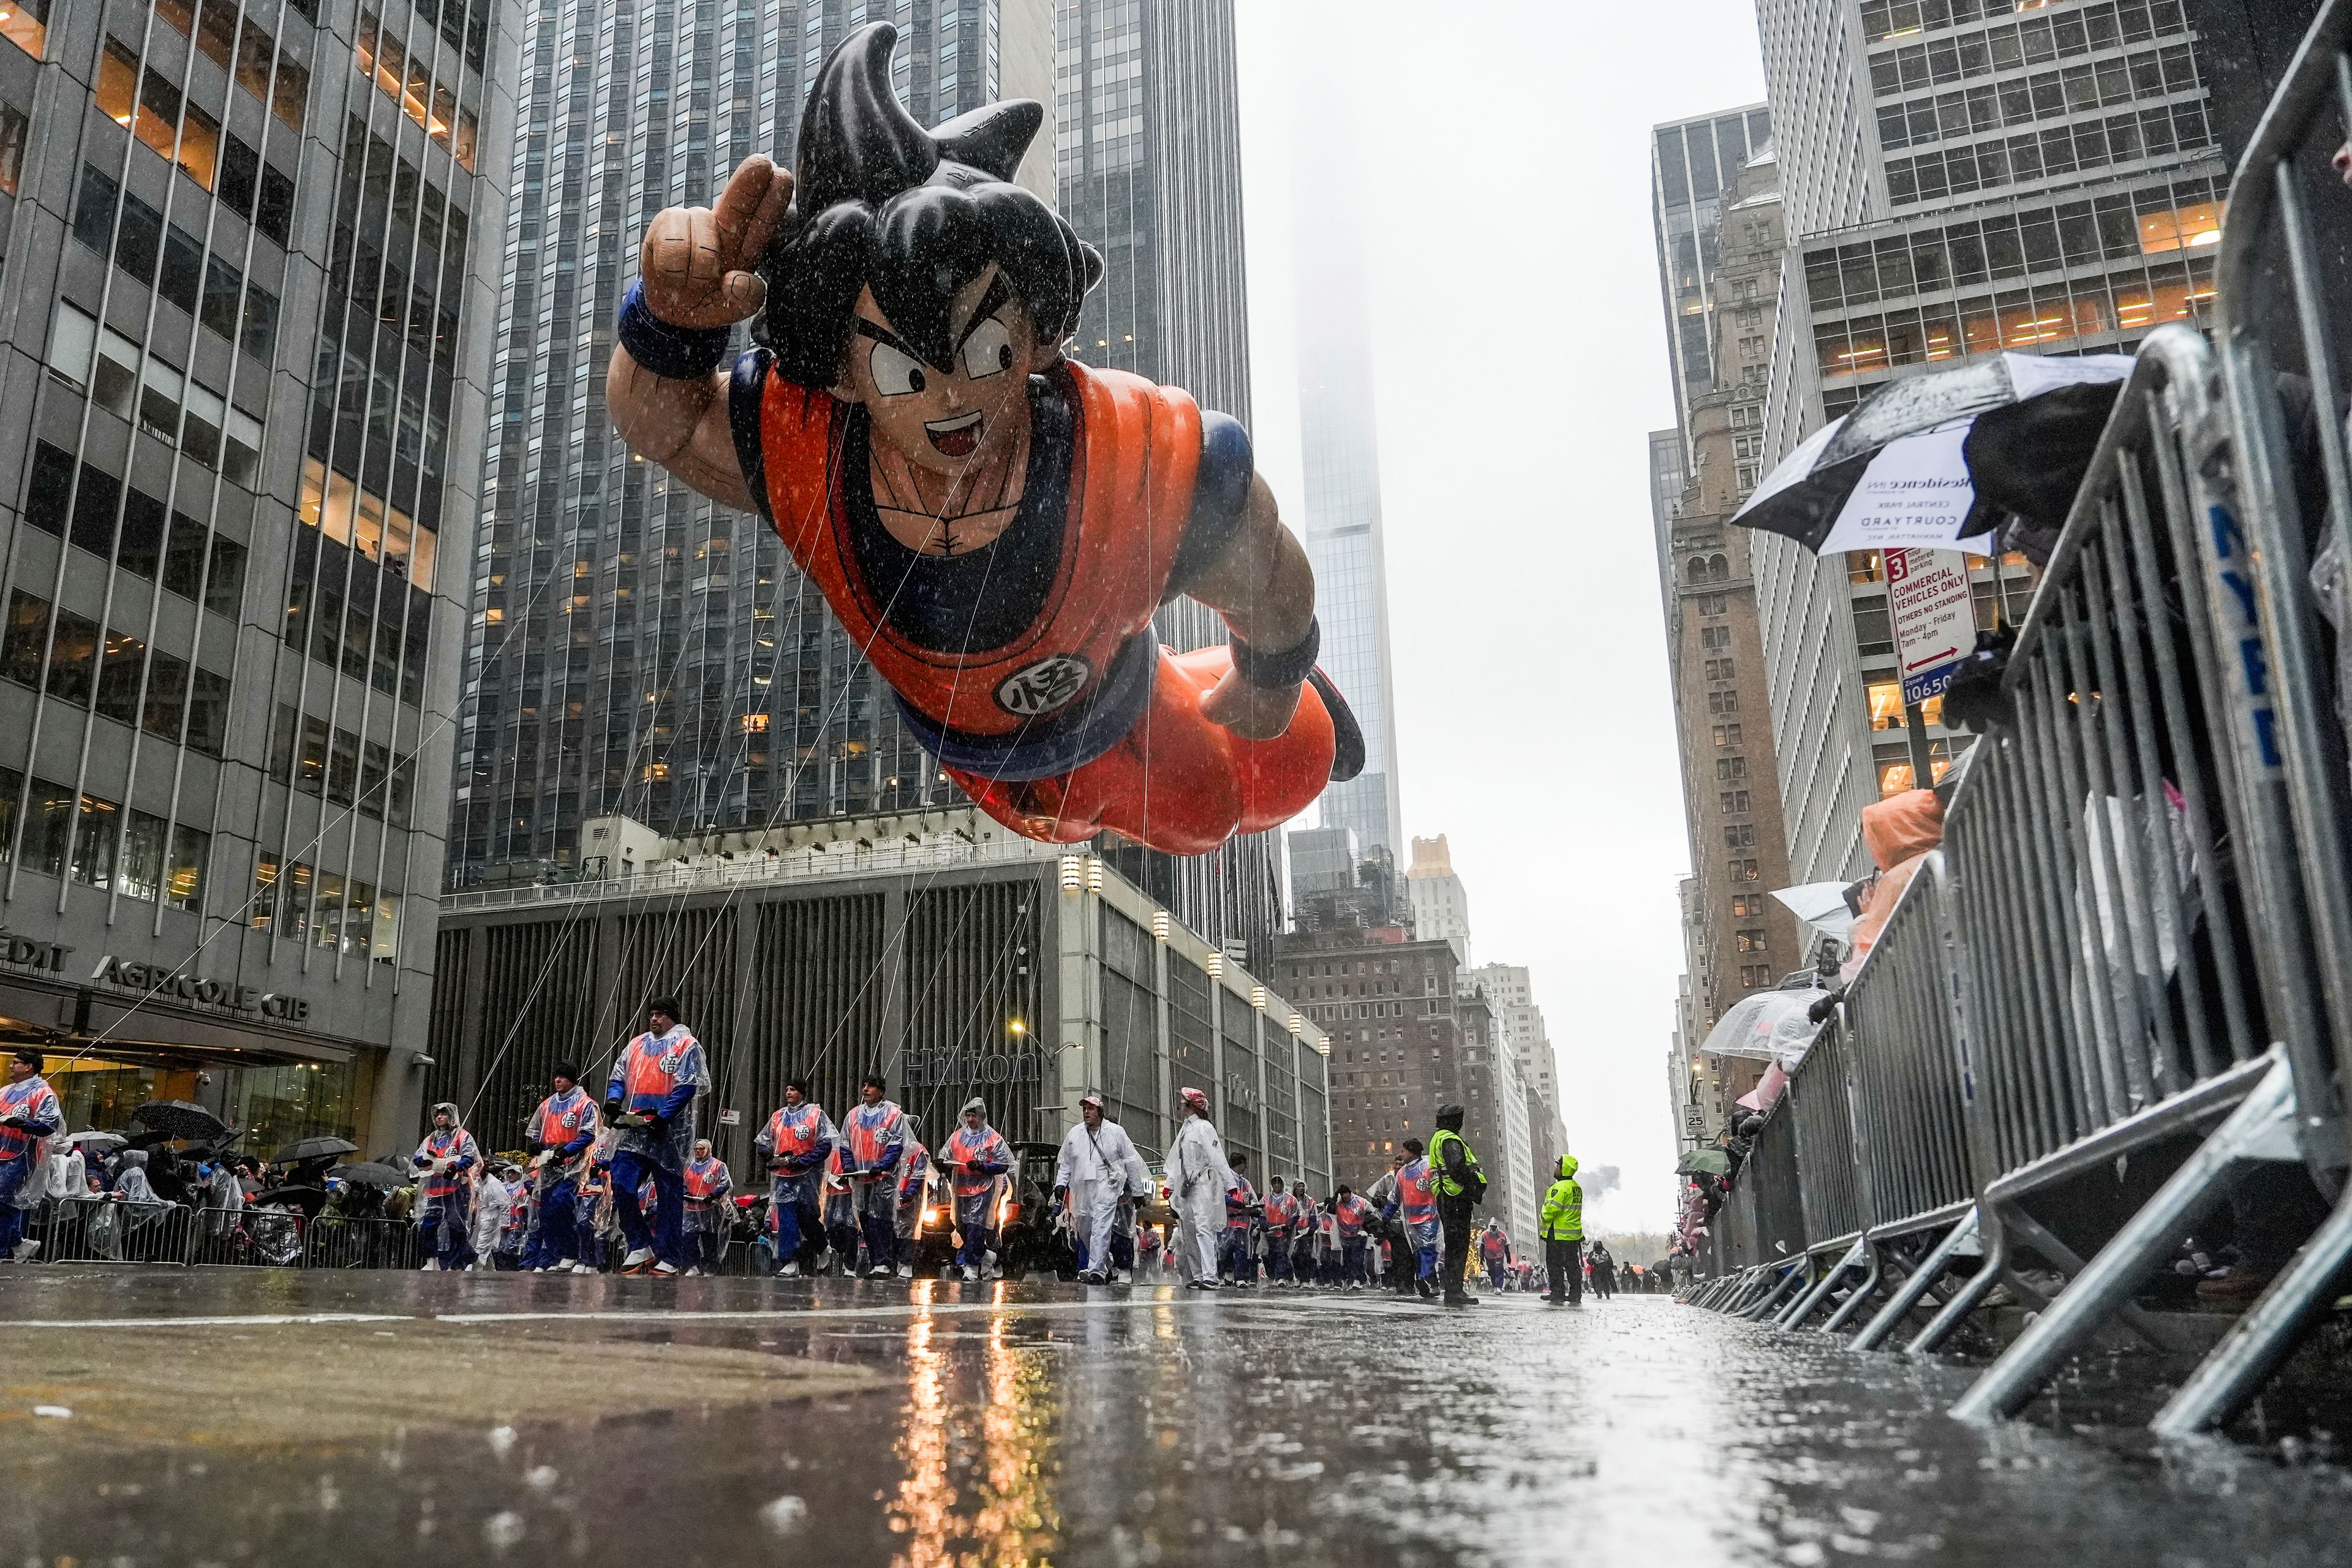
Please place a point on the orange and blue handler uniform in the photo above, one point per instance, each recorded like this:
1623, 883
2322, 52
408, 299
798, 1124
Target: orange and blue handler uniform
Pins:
657, 1077
914, 1188
975, 1156
707, 1182
1281, 1213
1241, 1218
29, 1117
796, 1143
448, 1159
874, 1140
564, 1128
1415, 1204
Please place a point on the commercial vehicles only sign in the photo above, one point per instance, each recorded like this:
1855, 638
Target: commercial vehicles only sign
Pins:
1935, 617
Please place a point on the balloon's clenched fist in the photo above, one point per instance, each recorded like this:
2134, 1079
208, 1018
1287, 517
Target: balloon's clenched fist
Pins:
696, 262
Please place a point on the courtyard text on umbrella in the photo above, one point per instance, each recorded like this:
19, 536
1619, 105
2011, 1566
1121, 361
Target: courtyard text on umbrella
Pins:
173, 1120
1930, 462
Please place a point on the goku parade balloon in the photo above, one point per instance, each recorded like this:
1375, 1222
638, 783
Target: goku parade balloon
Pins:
993, 523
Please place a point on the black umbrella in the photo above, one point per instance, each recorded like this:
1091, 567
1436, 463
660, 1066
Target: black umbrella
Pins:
316, 1149
372, 1175
175, 1118
1932, 460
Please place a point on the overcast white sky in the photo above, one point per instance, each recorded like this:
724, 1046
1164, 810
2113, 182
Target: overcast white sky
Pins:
1521, 363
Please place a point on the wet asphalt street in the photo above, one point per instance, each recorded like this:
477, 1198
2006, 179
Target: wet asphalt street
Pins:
250, 1416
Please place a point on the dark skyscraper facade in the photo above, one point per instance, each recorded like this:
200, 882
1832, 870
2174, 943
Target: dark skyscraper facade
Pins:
1148, 163
637, 649
249, 303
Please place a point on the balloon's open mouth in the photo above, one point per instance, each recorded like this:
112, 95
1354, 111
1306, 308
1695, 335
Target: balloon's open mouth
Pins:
956, 437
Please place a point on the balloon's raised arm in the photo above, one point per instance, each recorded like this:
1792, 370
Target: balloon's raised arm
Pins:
666, 385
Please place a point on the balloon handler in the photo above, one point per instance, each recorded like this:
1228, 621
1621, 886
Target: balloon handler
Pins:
994, 524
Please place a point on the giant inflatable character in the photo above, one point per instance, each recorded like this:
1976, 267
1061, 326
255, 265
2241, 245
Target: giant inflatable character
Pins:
994, 524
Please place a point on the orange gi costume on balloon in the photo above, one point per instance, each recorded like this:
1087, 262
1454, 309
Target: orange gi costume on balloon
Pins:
1081, 721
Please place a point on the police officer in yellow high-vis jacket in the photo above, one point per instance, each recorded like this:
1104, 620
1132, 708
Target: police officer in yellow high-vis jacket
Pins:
1563, 1235
1460, 1185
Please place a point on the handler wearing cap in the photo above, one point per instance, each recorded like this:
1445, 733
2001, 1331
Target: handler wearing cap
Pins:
1098, 1169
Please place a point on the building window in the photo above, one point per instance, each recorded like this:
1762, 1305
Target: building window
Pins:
1729, 768
1733, 801
1739, 835
13, 129
26, 24
1743, 870
1751, 940
1746, 904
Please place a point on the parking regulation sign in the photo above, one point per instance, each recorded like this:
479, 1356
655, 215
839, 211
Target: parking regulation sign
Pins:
1935, 617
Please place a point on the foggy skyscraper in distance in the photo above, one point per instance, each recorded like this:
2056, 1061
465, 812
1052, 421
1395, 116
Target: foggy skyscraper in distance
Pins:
1339, 442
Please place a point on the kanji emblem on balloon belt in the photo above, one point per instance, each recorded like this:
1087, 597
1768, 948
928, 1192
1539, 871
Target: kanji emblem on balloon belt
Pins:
1044, 686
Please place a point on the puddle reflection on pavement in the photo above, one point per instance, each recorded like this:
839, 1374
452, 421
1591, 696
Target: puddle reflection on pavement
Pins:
731, 1422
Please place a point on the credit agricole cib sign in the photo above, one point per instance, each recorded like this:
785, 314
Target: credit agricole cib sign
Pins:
160, 981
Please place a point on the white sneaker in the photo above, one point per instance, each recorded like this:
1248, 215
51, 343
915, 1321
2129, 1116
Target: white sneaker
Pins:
693, 1273
584, 1268
879, 1271
665, 1269
25, 1250
793, 1269
638, 1257
905, 1271
971, 1273
431, 1266
1121, 1277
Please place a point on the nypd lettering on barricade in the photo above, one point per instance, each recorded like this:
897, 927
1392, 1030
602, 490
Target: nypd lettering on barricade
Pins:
934, 1068
161, 981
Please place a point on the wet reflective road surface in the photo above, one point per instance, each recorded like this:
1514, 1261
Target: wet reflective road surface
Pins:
235, 1417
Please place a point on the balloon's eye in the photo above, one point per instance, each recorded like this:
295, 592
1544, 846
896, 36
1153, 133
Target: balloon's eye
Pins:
988, 350
895, 373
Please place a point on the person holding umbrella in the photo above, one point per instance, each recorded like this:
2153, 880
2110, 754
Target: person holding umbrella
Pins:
447, 1158
30, 1116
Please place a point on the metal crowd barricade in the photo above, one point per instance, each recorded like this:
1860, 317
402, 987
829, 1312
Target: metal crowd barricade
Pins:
331, 1241
2123, 943
2138, 937
1818, 1100
110, 1231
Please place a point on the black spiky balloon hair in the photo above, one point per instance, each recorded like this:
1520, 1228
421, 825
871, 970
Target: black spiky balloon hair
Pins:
879, 202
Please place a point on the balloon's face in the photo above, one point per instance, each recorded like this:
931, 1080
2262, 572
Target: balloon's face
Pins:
943, 419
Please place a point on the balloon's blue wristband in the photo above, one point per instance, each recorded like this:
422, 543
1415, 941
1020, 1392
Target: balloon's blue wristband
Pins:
679, 354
